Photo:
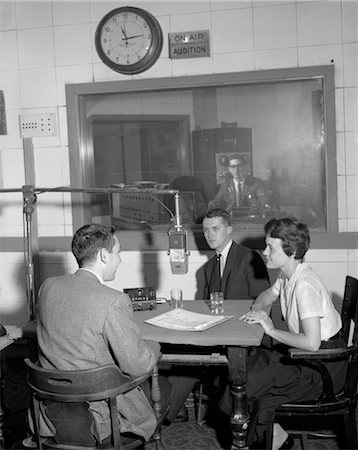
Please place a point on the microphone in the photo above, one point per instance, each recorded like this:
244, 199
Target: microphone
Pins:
178, 253
178, 244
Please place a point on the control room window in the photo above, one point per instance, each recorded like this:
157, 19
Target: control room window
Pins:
257, 147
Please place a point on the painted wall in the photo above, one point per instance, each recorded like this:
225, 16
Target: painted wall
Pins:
46, 44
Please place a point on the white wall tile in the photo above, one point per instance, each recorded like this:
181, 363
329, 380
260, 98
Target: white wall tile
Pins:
33, 14
12, 139
79, 73
9, 58
342, 197
7, 15
73, 44
190, 22
185, 6
351, 145
350, 57
276, 58
351, 109
99, 8
38, 87
11, 223
65, 14
341, 154
162, 68
339, 94
14, 175
352, 227
233, 62
62, 126
319, 23
342, 225
194, 66
35, 48
48, 166
220, 5
275, 27
102, 72
321, 55
11, 87
232, 31
352, 196
350, 20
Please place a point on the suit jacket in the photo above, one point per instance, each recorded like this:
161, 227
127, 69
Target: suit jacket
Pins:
226, 196
84, 324
245, 275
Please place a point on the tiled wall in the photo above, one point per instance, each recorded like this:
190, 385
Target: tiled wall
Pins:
46, 44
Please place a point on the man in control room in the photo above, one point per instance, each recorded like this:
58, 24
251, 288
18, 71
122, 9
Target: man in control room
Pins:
235, 270
83, 324
240, 188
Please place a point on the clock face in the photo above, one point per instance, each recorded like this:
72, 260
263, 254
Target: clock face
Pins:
129, 40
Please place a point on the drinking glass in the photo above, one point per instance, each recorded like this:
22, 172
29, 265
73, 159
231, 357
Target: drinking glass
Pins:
176, 298
217, 303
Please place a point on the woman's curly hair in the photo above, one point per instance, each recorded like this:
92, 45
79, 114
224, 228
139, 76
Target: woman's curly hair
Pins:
295, 235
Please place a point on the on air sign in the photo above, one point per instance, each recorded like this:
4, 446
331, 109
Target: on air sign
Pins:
189, 44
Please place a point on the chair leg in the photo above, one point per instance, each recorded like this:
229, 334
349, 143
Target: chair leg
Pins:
304, 441
199, 419
350, 427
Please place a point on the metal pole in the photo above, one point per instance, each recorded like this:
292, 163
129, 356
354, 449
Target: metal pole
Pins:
29, 199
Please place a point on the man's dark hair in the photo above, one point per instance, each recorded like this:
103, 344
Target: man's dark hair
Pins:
218, 212
295, 235
238, 156
89, 240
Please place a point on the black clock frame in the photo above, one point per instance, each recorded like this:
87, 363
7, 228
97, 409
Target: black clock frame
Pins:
153, 53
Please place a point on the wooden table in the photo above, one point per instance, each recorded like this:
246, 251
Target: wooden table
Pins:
234, 336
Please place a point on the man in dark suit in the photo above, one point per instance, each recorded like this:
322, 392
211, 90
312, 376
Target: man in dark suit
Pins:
242, 273
83, 324
240, 188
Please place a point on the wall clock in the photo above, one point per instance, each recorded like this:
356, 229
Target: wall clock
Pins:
129, 40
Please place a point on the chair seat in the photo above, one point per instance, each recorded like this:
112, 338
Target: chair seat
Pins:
128, 442
307, 407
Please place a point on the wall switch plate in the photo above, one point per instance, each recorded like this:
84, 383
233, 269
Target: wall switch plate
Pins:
38, 125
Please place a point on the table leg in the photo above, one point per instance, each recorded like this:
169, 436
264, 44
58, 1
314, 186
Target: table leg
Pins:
237, 357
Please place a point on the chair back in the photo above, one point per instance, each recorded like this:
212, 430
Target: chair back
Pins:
77, 385
66, 394
349, 316
349, 309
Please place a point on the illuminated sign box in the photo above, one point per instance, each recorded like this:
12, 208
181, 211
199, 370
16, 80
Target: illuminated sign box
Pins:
189, 44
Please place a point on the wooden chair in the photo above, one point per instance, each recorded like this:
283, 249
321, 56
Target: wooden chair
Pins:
338, 411
66, 395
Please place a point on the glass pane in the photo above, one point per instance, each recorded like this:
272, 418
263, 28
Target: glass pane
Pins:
257, 150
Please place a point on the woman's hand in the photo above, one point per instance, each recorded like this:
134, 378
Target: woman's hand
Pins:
261, 317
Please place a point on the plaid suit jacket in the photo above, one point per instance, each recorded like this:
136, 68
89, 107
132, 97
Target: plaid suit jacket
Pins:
83, 324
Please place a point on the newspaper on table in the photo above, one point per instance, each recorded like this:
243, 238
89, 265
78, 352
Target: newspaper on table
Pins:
183, 320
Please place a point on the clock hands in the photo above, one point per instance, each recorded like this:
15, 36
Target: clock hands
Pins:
133, 37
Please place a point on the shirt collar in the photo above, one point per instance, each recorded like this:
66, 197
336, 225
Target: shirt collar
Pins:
94, 273
225, 251
299, 269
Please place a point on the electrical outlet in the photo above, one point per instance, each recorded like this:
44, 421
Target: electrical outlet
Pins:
38, 125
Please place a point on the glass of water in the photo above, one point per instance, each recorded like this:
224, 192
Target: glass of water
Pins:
217, 303
176, 298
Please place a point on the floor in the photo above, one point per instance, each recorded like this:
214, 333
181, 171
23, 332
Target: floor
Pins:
181, 436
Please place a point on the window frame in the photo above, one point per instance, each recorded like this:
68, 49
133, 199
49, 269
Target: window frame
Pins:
78, 139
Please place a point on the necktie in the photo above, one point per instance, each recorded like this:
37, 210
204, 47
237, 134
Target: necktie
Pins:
237, 192
215, 280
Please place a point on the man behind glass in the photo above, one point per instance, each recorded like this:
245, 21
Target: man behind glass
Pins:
240, 188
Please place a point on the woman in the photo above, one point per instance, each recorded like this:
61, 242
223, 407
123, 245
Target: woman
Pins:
312, 323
